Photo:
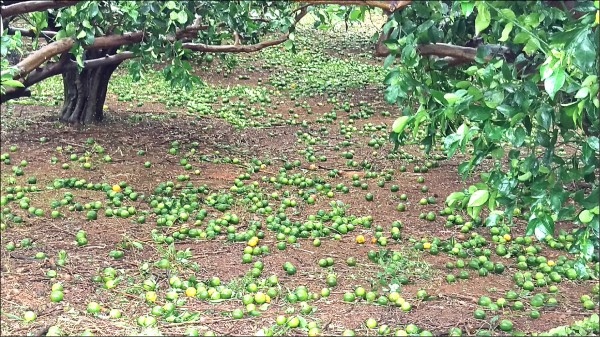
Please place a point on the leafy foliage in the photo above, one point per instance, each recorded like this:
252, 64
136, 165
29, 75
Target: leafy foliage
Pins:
520, 113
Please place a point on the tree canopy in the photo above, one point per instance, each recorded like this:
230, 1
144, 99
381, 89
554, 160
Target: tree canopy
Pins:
529, 102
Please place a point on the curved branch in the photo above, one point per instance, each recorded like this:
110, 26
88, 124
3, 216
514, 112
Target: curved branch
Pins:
235, 48
238, 48
34, 6
390, 6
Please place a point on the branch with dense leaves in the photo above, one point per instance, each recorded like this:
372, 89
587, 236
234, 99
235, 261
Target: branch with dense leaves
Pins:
45, 53
61, 46
34, 6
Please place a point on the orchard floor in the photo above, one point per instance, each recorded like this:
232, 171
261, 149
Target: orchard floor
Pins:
26, 286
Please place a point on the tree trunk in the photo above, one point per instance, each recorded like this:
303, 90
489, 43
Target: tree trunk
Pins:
85, 93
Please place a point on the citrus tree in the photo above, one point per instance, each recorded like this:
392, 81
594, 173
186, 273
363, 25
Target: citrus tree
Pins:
85, 41
521, 101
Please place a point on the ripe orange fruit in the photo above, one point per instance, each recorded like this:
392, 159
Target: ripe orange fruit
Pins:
360, 239
253, 241
190, 292
116, 188
373, 240
507, 237
427, 245
551, 263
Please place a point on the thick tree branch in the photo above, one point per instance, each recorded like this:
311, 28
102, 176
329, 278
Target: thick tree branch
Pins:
34, 6
456, 55
14, 94
390, 6
443, 50
31, 32
40, 74
45, 53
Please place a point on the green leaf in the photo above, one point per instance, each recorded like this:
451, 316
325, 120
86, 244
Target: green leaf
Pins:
454, 198
483, 19
400, 124
79, 59
508, 13
13, 83
288, 45
182, 17
493, 98
532, 46
395, 139
521, 38
355, 14
540, 226
171, 5
391, 94
594, 143
478, 198
555, 82
81, 34
582, 93
467, 7
506, 31
451, 143
493, 218
584, 51
519, 136
389, 60
586, 216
